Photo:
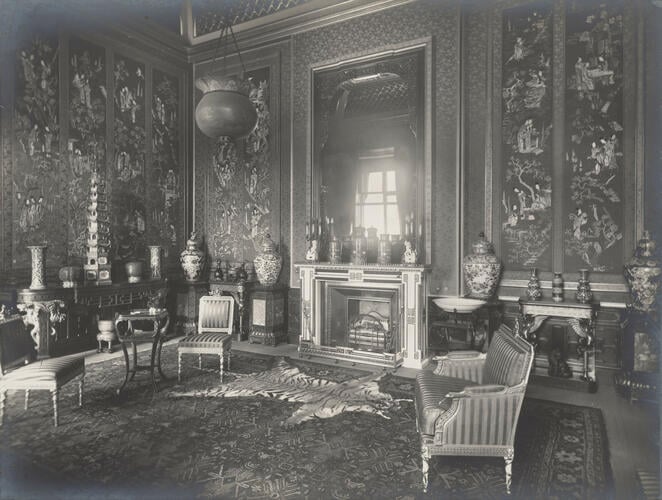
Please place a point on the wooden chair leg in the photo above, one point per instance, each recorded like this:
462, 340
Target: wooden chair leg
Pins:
179, 366
55, 394
221, 357
3, 399
200, 361
229, 356
27, 399
509, 469
81, 384
425, 466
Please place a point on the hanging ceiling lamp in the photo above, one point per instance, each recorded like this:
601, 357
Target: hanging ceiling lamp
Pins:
225, 109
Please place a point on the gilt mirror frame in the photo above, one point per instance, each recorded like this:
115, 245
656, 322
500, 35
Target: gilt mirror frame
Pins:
422, 205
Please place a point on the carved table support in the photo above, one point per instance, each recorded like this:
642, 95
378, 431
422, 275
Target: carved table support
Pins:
581, 317
45, 318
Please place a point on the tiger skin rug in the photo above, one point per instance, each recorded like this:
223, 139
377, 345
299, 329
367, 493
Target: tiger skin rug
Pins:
321, 398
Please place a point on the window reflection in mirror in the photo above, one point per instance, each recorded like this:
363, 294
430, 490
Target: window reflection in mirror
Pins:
367, 143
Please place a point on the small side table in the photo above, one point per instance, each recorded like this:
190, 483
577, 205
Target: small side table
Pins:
268, 310
128, 334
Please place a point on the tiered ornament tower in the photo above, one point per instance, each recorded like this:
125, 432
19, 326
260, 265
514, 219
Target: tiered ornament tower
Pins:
97, 266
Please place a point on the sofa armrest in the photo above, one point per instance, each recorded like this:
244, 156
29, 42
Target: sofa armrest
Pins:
467, 365
479, 390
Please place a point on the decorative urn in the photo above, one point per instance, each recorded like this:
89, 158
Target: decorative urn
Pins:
192, 259
268, 263
225, 109
642, 272
482, 270
134, 271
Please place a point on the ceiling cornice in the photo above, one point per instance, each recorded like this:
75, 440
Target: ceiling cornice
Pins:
275, 27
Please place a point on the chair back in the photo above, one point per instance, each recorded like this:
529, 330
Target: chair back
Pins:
508, 360
16, 345
216, 314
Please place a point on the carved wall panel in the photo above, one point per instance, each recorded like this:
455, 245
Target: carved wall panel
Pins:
526, 197
86, 144
127, 174
166, 184
39, 170
594, 163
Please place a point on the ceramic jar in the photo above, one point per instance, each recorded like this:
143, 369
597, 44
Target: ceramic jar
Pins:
584, 295
70, 276
482, 270
557, 287
268, 263
192, 259
642, 272
384, 250
38, 256
360, 247
134, 271
533, 290
335, 249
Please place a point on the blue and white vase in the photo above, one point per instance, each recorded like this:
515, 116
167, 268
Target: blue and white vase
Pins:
482, 270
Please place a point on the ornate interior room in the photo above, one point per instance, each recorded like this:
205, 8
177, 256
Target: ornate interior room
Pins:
330, 249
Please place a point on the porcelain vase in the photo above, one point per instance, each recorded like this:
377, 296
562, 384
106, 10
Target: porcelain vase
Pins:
134, 271
192, 259
70, 276
38, 255
155, 262
557, 287
642, 272
268, 263
482, 270
584, 295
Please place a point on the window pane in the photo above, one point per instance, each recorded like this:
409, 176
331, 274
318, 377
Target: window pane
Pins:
373, 198
392, 219
390, 180
375, 182
373, 216
391, 198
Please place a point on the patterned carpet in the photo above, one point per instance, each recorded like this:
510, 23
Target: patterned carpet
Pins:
160, 446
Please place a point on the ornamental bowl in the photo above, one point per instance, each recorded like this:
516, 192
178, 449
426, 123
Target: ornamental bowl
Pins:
458, 304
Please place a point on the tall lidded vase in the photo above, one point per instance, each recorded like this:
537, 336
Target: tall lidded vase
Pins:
643, 272
192, 259
482, 270
38, 254
268, 263
155, 262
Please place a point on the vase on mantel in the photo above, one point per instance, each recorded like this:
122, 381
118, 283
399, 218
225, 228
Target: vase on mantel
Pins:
533, 290
642, 272
482, 269
192, 259
38, 255
268, 263
584, 295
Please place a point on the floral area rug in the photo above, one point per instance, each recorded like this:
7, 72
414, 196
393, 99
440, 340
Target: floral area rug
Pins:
153, 445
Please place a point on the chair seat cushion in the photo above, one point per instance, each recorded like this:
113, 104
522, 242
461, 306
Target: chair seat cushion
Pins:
431, 401
46, 371
206, 340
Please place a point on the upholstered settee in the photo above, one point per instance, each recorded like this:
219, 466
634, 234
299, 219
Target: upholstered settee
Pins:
470, 403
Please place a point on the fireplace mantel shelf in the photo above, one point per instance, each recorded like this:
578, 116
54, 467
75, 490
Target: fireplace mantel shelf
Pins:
368, 267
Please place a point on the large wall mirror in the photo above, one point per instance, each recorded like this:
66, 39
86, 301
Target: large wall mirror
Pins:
369, 127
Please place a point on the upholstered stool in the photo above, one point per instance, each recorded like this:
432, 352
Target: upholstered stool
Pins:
47, 374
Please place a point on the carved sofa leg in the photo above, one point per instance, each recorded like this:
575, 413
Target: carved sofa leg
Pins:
509, 469
425, 466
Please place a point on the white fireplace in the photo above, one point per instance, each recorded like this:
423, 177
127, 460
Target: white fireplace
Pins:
364, 313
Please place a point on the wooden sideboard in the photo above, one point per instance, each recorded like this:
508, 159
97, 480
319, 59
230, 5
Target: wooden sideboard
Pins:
64, 320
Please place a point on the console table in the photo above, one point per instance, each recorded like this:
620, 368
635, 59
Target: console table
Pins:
581, 317
64, 320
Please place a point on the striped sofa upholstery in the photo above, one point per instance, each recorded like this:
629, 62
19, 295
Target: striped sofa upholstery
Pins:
20, 371
214, 334
470, 404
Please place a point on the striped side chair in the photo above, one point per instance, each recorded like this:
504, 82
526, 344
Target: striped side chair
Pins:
214, 335
470, 404
20, 371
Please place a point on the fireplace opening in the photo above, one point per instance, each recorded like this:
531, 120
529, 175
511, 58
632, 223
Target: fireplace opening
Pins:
364, 319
